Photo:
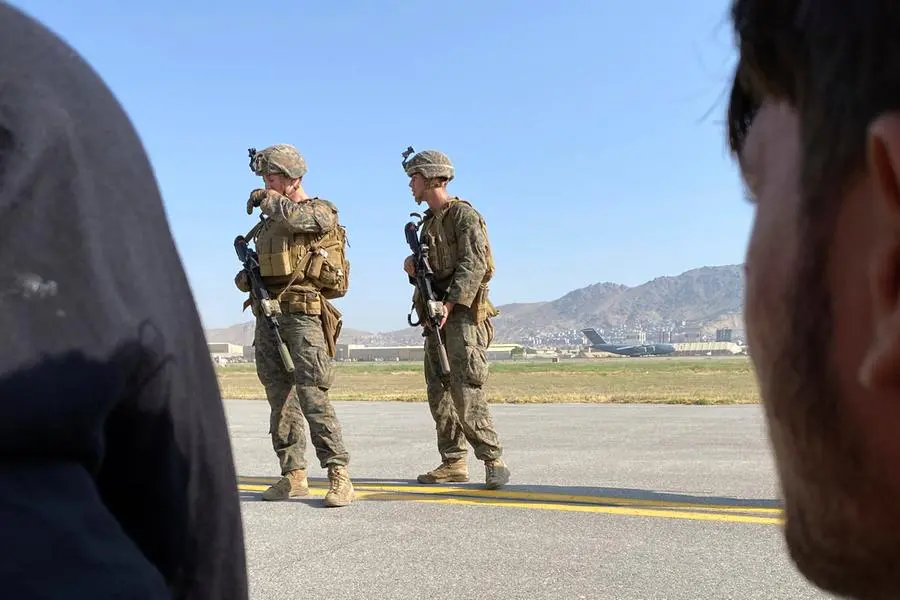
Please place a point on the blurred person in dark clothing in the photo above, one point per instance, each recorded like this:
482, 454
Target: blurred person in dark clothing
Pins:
116, 472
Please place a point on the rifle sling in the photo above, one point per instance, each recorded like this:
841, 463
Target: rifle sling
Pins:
254, 230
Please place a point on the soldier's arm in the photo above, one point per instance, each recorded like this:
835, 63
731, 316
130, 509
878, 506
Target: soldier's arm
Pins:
471, 258
300, 217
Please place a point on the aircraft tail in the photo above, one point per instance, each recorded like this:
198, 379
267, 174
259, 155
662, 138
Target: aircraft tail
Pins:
593, 337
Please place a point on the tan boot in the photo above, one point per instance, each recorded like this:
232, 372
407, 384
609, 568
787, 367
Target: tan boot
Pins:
294, 483
451, 470
341, 491
496, 474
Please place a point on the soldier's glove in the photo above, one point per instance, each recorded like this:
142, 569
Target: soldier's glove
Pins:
255, 199
242, 281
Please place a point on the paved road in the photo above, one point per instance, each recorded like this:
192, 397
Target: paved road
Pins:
605, 502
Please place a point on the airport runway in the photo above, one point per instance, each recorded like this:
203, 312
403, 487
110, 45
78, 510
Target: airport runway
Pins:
605, 502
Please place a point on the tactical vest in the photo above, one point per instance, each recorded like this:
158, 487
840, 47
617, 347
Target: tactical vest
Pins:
440, 235
438, 232
298, 266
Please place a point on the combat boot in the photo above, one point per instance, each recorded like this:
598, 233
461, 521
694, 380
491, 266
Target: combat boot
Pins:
294, 483
341, 491
451, 470
496, 474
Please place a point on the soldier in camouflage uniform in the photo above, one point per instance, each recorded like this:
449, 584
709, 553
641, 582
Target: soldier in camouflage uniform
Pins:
293, 220
463, 264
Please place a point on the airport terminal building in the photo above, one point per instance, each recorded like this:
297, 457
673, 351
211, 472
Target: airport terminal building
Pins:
224, 353
707, 349
356, 352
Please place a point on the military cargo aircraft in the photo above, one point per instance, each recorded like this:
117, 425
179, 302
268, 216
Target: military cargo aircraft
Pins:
599, 344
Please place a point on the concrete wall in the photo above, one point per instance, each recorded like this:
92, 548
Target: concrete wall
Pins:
225, 349
388, 353
704, 348
405, 353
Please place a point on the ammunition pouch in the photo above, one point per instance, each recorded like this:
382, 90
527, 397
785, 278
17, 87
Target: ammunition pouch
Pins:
276, 268
275, 264
331, 326
307, 302
291, 301
482, 308
287, 259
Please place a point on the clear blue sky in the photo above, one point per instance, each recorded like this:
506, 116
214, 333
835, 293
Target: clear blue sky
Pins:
589, 135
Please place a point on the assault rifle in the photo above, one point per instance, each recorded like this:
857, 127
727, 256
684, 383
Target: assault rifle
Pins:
270, 308
423, 280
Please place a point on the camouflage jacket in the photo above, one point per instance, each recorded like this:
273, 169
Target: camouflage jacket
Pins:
313, 216
460, 252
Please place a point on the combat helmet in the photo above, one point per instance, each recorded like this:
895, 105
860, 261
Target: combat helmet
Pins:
279, 158
429, 164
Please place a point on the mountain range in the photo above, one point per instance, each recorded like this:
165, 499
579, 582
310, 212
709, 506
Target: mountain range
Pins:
706, 297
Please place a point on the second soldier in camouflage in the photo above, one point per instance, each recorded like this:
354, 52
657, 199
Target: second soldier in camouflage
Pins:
461, 258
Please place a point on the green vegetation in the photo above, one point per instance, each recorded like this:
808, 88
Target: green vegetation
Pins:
614, 380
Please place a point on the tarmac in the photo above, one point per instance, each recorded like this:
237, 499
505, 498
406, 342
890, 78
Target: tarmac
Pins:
614, 502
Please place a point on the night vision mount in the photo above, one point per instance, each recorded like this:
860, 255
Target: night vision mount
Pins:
409, 150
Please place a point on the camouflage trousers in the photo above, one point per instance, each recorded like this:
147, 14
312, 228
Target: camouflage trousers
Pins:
457, 401
305, 394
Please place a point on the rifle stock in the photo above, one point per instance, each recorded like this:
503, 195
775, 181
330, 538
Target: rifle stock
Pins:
423, 280
270, 308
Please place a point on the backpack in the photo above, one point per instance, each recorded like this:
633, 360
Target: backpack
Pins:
334, 276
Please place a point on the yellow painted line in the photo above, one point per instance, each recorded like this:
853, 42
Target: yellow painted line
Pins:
670, 513
456, 491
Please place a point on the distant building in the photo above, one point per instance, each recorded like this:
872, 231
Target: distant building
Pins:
356, 352
707, 349
225, 349
723, 335
385, 353
343, 352
662, 337
223, 352
688, 334
503, 351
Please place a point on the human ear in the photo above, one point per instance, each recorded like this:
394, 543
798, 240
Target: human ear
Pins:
880, 370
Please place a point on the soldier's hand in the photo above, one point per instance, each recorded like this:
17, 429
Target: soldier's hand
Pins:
448, 308
409, 266
242, 281
256, 197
